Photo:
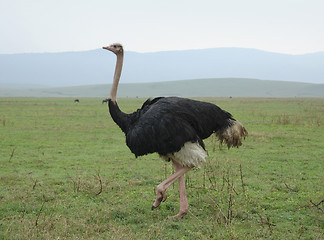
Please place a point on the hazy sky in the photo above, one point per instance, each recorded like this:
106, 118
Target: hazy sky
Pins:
286, 26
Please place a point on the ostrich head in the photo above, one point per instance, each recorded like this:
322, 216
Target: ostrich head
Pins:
116, 48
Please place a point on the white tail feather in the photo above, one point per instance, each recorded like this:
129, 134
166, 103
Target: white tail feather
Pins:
190, 155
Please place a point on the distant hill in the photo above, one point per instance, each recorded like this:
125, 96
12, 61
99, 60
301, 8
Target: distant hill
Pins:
219, 87
97, 67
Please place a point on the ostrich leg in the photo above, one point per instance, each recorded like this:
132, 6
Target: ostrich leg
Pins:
161, 188
184, 206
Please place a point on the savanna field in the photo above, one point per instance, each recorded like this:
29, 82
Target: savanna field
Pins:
66, 173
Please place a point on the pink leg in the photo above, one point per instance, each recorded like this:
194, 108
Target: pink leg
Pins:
184, 206
161, 188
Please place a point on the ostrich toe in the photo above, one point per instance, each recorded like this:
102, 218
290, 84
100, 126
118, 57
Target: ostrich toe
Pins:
180, 215
160, 197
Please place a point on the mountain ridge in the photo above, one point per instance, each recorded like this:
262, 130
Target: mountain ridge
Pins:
97, 66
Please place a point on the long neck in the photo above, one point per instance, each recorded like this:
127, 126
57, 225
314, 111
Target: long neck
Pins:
122, 119
118, 70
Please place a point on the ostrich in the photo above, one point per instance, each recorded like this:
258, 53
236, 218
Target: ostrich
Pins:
76, 100
174, 128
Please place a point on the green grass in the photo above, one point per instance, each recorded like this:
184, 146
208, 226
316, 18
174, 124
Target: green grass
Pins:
66, 173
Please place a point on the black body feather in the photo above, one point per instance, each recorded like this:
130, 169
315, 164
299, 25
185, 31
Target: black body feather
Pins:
165, 124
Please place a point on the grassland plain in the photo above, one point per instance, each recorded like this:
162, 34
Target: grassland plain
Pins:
66, 173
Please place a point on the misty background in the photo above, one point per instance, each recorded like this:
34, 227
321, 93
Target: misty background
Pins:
54, 44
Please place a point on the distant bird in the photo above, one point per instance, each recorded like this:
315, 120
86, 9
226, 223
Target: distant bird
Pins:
174, 128
105, 100
76, 100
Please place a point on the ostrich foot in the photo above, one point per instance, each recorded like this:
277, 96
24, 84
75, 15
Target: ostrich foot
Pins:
162, 187
160, 197
180, 215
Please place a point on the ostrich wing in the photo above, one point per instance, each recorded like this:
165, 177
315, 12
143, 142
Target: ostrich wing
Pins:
164, 125
161, 132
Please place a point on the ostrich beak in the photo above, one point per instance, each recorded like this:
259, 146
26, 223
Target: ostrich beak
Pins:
107, 48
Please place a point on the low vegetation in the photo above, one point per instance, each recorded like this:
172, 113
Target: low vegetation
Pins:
224, 87
66, 173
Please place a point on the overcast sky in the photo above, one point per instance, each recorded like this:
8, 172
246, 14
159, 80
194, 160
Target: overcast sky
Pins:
285, 26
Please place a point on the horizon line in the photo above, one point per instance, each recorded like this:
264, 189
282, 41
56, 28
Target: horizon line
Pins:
161, 51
